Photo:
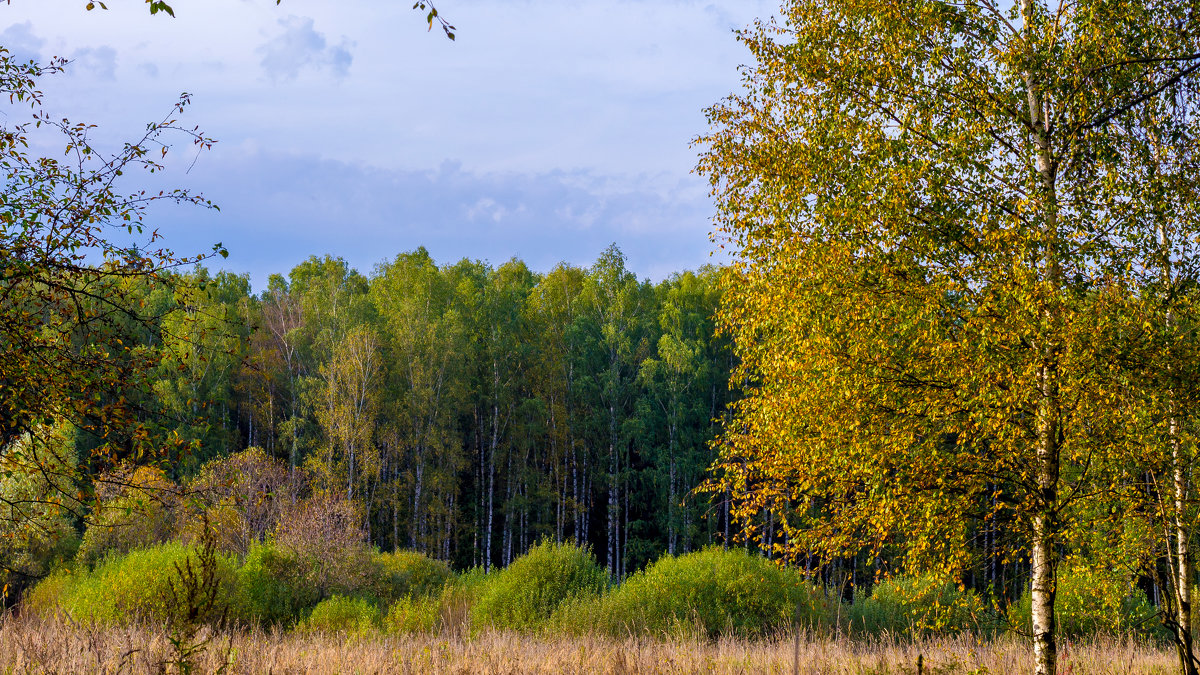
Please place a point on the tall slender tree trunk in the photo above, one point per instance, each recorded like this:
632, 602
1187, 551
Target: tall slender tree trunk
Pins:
576, 511
414, 531
495, 442
350, 473
506, 546
672, 496
586, 495
1182, 571
558, 470
624, 553
1044, 563
395, 508
1043, 590
448, 528
1181, 562
491, 504
481, 477
612, 524
725, 539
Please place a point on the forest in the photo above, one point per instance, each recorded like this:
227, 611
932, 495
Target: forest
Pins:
938, 404
469, 410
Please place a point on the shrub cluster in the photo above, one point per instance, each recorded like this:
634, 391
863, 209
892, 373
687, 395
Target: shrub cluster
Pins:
920, 604
1091, 601
301, 561
704, 594
343, 614
245, 494
36, 508
138, 586
525, 594
135, 508
401, 574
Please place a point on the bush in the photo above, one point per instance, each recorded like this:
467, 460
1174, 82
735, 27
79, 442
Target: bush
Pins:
223, 520
269, 589
46, 598
324, 537
420, 614
703, 594
245, 494
343, 614
137, 586
1091, 601
524, 595
920, 603
408, 573
32, 550
458, 600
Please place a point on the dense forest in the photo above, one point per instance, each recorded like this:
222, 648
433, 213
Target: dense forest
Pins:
469, 409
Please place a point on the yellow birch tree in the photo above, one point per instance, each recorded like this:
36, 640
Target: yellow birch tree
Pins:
934, 230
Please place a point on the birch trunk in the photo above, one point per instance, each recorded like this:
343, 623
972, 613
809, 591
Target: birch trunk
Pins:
1181, 562
1044, 561
1043, 589
1183, 566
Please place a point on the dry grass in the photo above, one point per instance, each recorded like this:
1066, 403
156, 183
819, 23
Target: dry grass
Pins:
31, 645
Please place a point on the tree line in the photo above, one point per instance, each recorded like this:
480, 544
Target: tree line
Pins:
471, 410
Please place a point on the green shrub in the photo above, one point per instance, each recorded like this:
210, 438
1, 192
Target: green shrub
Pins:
920, 603
1092, 601
524, 595
122, 589
32, 552
268, 590
703, 594
46, 598
408, 573
340, 613
420, 614
457, 601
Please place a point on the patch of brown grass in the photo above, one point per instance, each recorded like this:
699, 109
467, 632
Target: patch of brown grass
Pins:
34, 645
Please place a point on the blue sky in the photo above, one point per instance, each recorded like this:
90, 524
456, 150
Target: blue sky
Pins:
547, 130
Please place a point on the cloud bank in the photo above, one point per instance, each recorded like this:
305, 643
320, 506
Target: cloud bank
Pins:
276, 210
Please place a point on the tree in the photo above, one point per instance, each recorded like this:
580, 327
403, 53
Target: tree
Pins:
935, 216
425, 338
617, 302
348, 412
200, 344
675, 380
1166, 356
73, 280
554, 306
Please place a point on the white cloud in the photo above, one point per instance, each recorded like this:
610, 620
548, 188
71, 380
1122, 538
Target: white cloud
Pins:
21, 43
300, 46
278, 209
98, 63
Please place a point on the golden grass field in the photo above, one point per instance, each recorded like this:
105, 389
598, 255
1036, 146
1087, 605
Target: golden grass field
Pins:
31, 645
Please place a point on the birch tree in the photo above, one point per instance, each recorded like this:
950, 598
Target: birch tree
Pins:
932, 222
348, 413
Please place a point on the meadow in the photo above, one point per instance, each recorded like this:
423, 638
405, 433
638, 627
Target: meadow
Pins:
179, 608
36, 645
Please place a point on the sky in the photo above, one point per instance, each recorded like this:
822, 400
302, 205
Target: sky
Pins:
547, 130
